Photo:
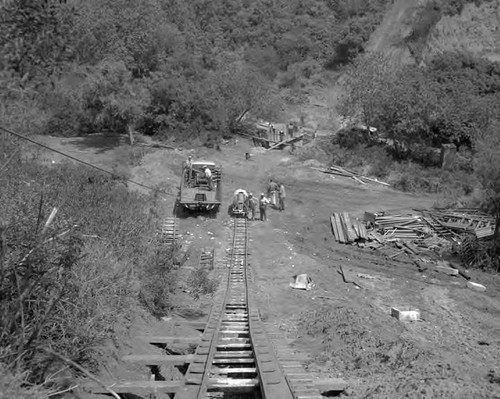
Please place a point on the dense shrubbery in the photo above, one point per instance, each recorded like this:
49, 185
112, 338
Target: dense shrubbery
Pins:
164, 67
453, 99
77, 256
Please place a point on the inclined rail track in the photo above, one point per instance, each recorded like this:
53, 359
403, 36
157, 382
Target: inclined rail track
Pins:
235, 359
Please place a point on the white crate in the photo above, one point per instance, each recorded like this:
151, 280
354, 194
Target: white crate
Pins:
405, 313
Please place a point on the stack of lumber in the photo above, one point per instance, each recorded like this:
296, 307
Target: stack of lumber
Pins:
347, 230
337, 170
395, 227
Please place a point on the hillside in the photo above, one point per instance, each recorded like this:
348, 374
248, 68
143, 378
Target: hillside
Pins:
475, 29
131, 88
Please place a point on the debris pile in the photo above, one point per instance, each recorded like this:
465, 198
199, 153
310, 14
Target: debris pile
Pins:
346, 230
426, 228
339, 171
419, 235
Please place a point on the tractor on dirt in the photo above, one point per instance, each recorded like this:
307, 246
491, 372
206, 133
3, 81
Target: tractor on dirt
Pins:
200, 188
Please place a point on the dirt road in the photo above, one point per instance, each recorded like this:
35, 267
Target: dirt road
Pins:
345, 332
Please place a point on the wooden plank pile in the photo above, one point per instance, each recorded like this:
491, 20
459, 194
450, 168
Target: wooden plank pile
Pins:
423, 232
347, 230
361, 179
461, 221
398, 226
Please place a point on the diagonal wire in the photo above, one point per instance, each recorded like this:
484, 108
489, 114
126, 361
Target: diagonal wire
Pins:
84, 162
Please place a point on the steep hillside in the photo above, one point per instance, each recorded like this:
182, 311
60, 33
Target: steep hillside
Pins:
417, 30
394, 27
476, 29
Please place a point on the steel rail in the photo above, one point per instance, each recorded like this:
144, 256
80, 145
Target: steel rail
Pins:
235, 256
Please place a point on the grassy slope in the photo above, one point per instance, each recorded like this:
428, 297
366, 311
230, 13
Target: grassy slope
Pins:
476, 29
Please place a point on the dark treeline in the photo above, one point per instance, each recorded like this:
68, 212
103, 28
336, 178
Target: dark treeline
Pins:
167, 66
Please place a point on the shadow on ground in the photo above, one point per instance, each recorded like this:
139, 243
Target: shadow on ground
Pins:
101, 142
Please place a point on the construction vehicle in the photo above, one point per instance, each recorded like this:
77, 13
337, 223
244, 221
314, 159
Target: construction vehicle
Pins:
197, 191
239, 205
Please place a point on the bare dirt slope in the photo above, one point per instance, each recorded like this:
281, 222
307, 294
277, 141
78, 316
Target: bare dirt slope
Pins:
388, 37
345, 332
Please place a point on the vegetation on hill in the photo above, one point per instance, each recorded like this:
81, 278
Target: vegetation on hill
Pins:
455, 98
78, 256
167, 68
186, 70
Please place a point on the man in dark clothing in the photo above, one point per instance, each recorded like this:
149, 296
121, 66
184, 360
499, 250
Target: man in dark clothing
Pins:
272, 189
251, 206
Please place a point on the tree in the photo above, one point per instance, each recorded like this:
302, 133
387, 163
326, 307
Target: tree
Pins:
487, 169
240, 90
469, 91
115, 100
398, 100
35, 37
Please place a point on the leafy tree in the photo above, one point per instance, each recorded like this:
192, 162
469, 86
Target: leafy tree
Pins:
134, 32
35, 37
468, 88
241, 90
397, 100
487, 169
362, 85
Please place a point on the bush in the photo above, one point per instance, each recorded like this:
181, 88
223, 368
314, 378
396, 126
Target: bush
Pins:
320, 150
201, 284
369, 160
480, 254
75, 245
412, 177
15, 385
157, 280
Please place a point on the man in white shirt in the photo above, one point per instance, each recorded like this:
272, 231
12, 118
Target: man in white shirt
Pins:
208, 175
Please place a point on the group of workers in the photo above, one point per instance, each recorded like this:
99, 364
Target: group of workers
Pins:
276, 195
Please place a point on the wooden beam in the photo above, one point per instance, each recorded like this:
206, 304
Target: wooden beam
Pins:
176, 360
170, 340
286, 142
197, 325
330, 384
137, 387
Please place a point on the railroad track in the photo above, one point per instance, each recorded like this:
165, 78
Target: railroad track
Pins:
235, 357
169, 230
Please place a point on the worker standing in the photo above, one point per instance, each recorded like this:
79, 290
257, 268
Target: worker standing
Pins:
263, 202
272, 189
250, 204
187, 168
208, 175
282, 196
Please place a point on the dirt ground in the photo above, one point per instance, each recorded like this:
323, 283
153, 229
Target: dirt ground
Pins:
344, 331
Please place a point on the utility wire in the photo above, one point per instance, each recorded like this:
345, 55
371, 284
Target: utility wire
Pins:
84, 162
